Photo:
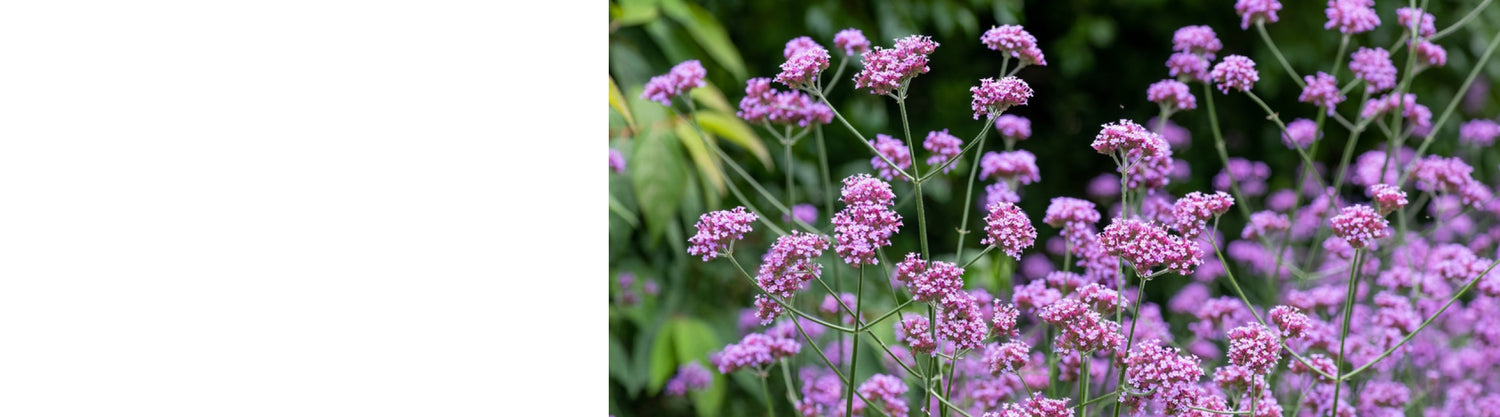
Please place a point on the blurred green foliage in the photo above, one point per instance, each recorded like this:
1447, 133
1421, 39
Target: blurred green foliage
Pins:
1101, 54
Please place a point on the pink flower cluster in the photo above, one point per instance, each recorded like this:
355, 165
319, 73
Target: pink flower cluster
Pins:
867, 220
1426, 28
1254, 347
1164, 372
791, 263
1130, 138
994, 97
1193, 211
1172, 94
1351, 16
717, 229
915, 330
887, 392
1199, 39
960, 321
767, 309
1374, 66
1007, 358
852, 41
1235, 71
1262, 223
1322, 90
1007, 227
1418, 115
801, 69
755, 350
1005, 319
683, 77
885, 70
1290, 321
1388, 198
1148, 246
1436, 174
1019, 166
929, 281
1080, 327
1430, 54
1479, 132
1252, 10
1300, 133
1013, 127
1188, 66
690, 376
894, 150
1014, 41
763, 104
943, 147
1360, 226
1036, 406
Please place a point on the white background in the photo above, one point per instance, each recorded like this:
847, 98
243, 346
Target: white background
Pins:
302, 207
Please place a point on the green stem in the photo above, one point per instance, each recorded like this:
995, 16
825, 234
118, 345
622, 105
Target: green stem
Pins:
861, 137
1453, 103
951, 161
770, 411
963, 222
859, 293
1084, 359
791, 389
1140, 298
1429, 320
1260, 26
1348, 314
1461, 22
987, 249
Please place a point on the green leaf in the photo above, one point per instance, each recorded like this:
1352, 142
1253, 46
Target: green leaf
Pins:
619, 367
663, 359
635, 12
709, 34
735, 130
657, 175
695, 340
617, 102
711, 97
708, 167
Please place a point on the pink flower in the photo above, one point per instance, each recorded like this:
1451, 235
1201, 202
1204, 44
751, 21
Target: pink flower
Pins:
1252, 10
1375, 67
943, 147
1007, 358
1147, 246
886, 391
867, 222
1300, 133
1188, 66
1005, 319
1193, 211
885, 70
1081, 328
798, 45
763, 104
754, 351
1131, 138
929, 281
1322, 90
960, 321
1007, 227
683, 77
791, 263
1012, 165
1198, 40
1163, 371
1262, 223
1013, 127
1235, 71
1360, 226
766, 309
1254, 347
1430, 54
1388, 198
1426, 28
1014, 41
1351, 16
1479, 132
617, 161
994, 97
916, 331
716, 230
801, 70
894, 150
1068, 211
1290, 320
1173, 94
852, 41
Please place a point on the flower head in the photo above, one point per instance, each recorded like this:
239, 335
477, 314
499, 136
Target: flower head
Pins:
1479, 132
767, 309
1388, 198
1147, 246
1254, 347
690, 376
797, 45
1322, 90
717, 229
1262, 223
1007, 227
885, 70
867, 222
763, 104
755, 350
801, 70
852, 41
1173, 94
960, 321
1010, 165
1007, 358
683, 77
1013, 127
1375, 67
1188, 66
1430, 54
1235, 71
1198, 40
943, 147
1290, 321
1360, 226
892, 149
1071, 212
1163, 371
1252, 10
1351, 16
994, 97
886, 391
791, 263
915, 330
1193, 211
1014, 41
616, 161
929, 281
1131, 138
1300, 133
1426, 28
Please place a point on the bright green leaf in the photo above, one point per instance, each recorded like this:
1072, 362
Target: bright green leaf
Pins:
663, 359
619, 367
735, 130
635, 12
698, 150
656, 173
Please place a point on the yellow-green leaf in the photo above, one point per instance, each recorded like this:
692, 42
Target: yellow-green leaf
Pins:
635, 12
735, 130
617, 102
708, 167
711, 97
709, 34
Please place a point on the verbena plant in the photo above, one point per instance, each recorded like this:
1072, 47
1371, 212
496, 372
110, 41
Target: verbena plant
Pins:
1382, 291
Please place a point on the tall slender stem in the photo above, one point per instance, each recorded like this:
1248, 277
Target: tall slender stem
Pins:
1083, 379
859, 293
1135, 317
1260, 26
770, 410
1344, 334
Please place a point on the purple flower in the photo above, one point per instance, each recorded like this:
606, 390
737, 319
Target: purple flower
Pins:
1351, 16
1300, 133
1188, 66
866, 222
885, 70
1005, 319
1375, 67
683, 77
717, 229
1081, 328
1198, 40
617, 161
1000, 192
894, 150
1249, 175
767, 309
1254, 347
852, 41
943, 147
960, 321
797, 45
1193, 211
1147, 246
915, 330
763, 104
1007, 358
994, 97
801, 70
791, 263
1014, 41
1007, 227
1360, 226
1262, 223
1290, 320
1322, 90
1071, 212
887, 392
1131, 138
1172, 94
929, 281
1388, 198
1430, 53
1479, 132
1019, 166
1426, 29
691, 376
1013, 127
1418, 115
1163, 371
754, 351
1252, 10
1235, 71
1036, 406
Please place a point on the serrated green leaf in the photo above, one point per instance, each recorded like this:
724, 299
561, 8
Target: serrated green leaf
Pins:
737, 131
708, 166
657, 176
617, 102
709, 34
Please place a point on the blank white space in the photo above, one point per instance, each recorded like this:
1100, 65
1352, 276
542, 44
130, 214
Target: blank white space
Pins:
298, 208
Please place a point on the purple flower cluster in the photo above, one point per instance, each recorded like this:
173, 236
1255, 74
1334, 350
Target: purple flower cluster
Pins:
767, 309
802, 68
1250, 175
1374, 66
791, 263
915, 330
867, 221
1426, 28
994, 97
943, 147
1080, 327
894, 150
1360, 226
1290, 321
1418, 115
852, 41
798, 45
1036, 406
1008, 228
683, 77
960, 321
1262, 223
1193, 211
763, 104
888, 392
1388, 198
1187, 66
1014, 41
1436, 174
1252, 10
1005, 319
1019, 166
616, 161
1430, 54
1007, 358
1164, 372
755, 350
1172, 94
1198, 40
1235, 71
691, 376
1013, 127
1130, 138
1351, 16
885, 70
1254, 347
929, 281
1479, 132
1148, 246
1322, 90
717, 229
1300, 133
